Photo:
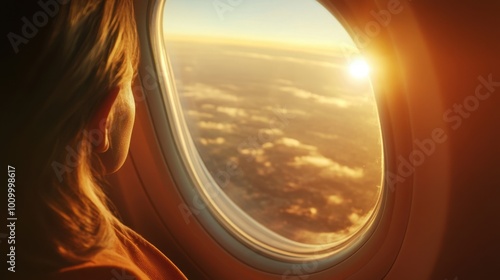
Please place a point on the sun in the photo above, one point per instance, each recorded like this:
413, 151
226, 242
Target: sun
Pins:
359, 68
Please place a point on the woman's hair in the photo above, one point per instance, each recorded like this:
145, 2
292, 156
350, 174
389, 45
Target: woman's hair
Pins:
57, 82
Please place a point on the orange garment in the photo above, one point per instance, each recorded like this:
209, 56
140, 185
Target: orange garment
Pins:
133, 258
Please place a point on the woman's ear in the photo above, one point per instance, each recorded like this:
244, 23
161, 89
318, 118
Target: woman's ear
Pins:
98, 126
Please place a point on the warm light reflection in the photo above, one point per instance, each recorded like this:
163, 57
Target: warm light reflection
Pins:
359, 68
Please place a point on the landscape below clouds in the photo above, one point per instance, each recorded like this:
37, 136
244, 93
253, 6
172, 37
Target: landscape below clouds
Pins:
304, 135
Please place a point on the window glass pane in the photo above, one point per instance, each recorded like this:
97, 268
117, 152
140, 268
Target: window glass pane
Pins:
280, 108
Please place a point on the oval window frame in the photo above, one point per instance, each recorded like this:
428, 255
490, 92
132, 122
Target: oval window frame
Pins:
253, 235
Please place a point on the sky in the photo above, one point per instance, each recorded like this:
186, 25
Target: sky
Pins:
295, 21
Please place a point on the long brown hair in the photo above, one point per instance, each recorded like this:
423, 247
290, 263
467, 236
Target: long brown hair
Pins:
58, 80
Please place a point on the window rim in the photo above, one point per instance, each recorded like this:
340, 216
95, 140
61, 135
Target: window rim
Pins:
270, 261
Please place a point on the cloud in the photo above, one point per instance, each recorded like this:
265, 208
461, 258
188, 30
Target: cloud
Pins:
208, 106
335, 169
291, 59
258, 154
328, 136
317, 160
284, 82
214, 141
354, 218
335, 199
294, 143
304, 94
267, 145
330, 238
299, 210
202, 91
253, 152
230, 87
271, 131
260, 118
329, 168
231, 111
226, 127
198, 114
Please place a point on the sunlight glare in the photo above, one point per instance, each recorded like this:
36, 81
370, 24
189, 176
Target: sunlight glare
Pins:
359, 68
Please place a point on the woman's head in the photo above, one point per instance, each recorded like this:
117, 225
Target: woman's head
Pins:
73, 110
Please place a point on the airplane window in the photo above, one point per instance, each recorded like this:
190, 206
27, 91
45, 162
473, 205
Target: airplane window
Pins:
280, 119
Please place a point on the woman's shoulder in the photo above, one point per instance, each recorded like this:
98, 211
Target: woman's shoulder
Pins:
147, 257
97, 269
132, 258
99, 272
